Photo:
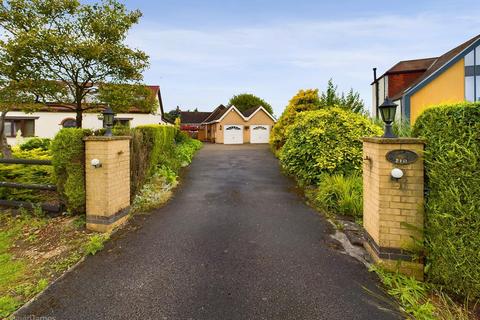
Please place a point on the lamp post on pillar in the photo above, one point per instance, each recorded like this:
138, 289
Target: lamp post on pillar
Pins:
387, 111
108, 117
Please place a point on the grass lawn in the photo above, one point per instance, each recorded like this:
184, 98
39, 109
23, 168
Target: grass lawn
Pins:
35, 250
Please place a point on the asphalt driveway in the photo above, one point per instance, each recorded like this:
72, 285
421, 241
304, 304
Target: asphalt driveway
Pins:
236, 242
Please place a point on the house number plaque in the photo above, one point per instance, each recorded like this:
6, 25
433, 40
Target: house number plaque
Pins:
402, 156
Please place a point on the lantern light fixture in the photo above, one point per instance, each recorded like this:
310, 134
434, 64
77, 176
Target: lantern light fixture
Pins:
108, 118
387, 111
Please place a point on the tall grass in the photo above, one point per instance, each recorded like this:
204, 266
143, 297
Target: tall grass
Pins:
339, 194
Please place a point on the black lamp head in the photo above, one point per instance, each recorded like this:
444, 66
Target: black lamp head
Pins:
387, 111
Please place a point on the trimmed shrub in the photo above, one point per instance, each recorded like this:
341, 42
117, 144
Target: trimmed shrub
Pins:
326, 141
152, 146
29, 174
68, 159
36, 143
339, 194
304, 100
452, 160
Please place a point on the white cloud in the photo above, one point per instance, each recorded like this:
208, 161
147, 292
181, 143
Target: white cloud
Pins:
205, 66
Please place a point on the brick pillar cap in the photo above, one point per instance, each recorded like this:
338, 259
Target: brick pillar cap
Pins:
105, 138
381, 140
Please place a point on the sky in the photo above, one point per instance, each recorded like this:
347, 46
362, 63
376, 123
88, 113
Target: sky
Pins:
204, 52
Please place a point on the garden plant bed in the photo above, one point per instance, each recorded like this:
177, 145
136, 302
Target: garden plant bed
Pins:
36, 250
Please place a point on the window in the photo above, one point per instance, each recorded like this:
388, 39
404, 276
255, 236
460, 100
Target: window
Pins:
121, 122
25, 126
69, 123
472, 75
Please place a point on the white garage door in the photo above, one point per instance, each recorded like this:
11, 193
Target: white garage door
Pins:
259, 133
233, 134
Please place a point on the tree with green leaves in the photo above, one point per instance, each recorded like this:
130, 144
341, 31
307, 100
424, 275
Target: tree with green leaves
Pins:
247, 101
80, 45
351, 101
172, 115
304, 100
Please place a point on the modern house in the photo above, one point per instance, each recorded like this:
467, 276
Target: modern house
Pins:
415, 85
47, 121
227, 125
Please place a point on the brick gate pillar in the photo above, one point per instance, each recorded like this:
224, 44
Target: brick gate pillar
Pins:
107, 179
393, 209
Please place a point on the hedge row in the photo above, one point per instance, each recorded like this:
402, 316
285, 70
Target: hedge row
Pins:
452, 162
326, 141
68, 159
152, 145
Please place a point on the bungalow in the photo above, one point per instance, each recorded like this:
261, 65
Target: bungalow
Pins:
415, 85
190, 121
46, 122
227, 125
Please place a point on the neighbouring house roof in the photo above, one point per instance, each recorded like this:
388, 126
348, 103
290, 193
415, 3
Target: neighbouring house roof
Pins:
412, 65
444, 60
64, 107
435, 65
193, 117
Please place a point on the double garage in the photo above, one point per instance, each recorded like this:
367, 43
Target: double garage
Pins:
234, 134
230, 126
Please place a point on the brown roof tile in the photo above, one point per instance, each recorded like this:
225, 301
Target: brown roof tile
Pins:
193, 117
411, 65
216, 114
247, 113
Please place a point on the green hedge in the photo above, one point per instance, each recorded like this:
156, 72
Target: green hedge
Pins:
325, 141
68, 159
304, 100
452, 159
28, 174
152, 145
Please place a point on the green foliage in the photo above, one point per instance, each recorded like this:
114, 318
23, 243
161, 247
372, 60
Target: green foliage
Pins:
411, 294
39, 36
325, 141
67, 262
172, 115
339, 194
68, 159
351, 101
30, 174
31, 289
304, 100
185, 151
121, 97
158, 189
152, 146
452, 159
246, 101
36, 143
400, 128
95, 244
8, 304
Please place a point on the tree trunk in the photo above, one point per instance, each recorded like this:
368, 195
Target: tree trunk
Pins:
79, 118
4, 147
